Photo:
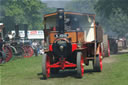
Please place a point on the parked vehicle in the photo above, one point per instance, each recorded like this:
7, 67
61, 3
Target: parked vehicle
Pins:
5, 50
71, 40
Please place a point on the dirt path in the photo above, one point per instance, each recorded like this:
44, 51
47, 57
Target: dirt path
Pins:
112, 58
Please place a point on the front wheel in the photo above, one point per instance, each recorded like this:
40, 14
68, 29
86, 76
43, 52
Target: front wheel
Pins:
46, 66
54, 70
80, 63
97, 64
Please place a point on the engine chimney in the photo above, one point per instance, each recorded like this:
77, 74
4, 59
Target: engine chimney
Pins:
26, 31
60, 20
17, 31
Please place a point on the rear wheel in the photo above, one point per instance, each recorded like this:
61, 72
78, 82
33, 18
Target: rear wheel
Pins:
8, 53
0, 60
45, 66
28, 51
108, 49
80, 67
1, 57
106, 46
97, 65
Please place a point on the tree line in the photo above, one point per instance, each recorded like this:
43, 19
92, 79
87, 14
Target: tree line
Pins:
115, 13
112, 14
22, 12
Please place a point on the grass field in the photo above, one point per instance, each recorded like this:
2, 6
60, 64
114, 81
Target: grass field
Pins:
27, 72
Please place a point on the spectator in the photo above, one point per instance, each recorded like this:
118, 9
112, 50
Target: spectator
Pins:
35, 47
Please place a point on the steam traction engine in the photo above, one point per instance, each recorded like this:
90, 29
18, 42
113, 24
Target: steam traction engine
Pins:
71, 40
21, 46
5, 50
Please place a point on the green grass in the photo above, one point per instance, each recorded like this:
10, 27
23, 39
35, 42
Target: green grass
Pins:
0, 75
24, 72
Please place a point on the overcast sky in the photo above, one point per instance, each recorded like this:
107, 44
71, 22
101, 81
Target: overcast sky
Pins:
56, 3
56, 0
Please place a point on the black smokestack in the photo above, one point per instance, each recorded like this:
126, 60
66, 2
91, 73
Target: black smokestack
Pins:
60, 20
4, 32
26, 31
17, 31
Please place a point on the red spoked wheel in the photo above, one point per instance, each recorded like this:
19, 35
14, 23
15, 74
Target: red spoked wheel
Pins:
97, 64
100, 58
28, 51
46, 66
8, 53
108, 49
80, 65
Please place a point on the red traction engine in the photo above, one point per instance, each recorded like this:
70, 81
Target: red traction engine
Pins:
71, 41
5, 50
21, 46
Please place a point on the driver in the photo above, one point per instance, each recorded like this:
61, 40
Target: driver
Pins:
67, 23
75, 24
